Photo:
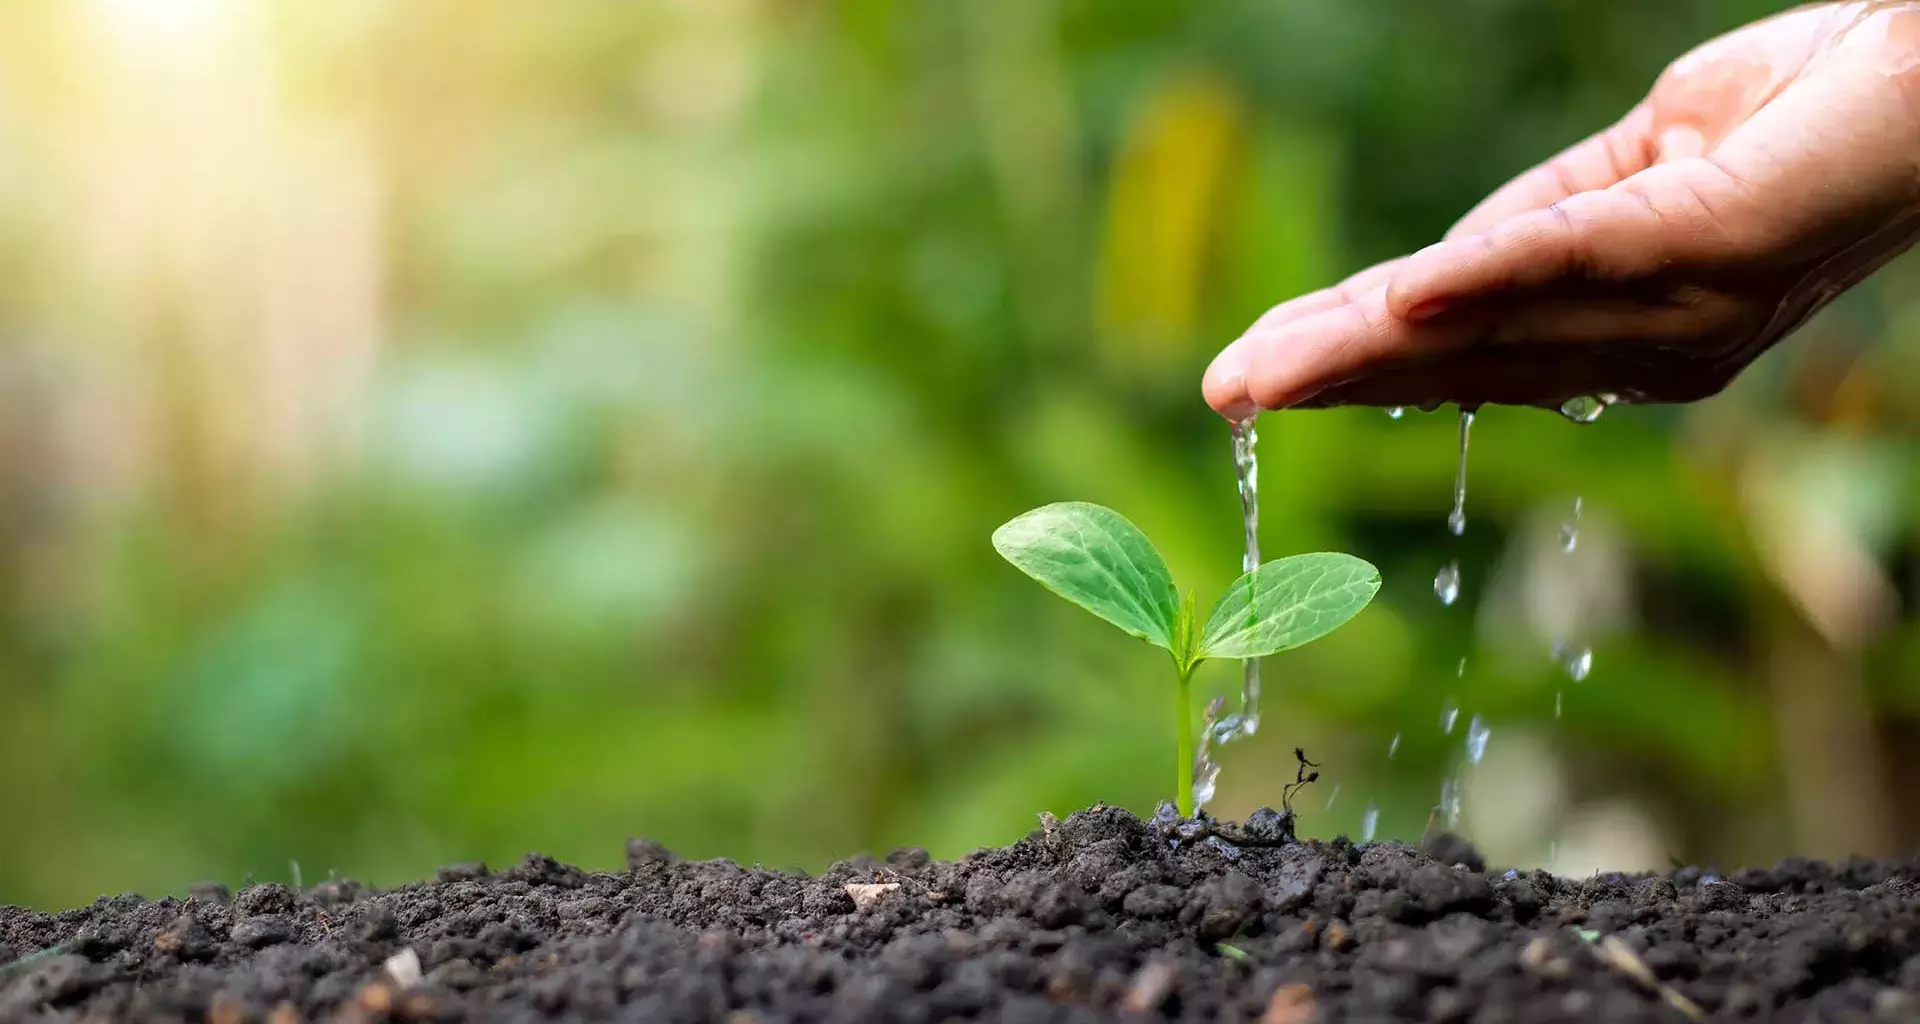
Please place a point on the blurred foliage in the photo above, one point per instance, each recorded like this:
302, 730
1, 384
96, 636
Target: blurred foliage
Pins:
434, 431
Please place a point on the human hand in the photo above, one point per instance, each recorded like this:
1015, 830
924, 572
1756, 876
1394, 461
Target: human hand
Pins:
1768, 171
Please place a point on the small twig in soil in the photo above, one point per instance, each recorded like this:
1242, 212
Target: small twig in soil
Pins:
1302, 777
1615, 953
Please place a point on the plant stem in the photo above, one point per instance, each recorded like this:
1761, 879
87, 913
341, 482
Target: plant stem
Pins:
1183, 776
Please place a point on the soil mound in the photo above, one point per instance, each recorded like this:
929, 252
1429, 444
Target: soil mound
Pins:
1099, 917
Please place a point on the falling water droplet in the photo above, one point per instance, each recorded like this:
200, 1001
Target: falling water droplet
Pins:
1394, 412
1369, 820
1570, 530
1449, 714
1583, 408
1557, 694
1457, 519
1460, 670
1578, 663
1331, 797
1393, 746
1446, 583
1450, 801
1478, 732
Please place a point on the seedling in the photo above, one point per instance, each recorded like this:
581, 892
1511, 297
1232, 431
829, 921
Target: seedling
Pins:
1095, 558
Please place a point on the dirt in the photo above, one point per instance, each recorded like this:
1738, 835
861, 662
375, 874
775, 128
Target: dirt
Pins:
1099, 917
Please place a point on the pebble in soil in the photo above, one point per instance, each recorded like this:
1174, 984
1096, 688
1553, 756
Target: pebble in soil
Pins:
1101, 916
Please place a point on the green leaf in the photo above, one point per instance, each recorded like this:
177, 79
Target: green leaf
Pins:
1093, 557
1587, 934
1233, 951
1288, 602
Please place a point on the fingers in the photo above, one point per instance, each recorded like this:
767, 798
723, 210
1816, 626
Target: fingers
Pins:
1328, 298
1536, 352
1687, 213
1600, 161
1288, 364
1537, 277
1224, 384
1541, 376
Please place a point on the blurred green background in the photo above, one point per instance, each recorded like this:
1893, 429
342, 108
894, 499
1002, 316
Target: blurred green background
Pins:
442, 429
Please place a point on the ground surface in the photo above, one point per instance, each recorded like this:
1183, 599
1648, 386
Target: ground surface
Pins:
1100, 917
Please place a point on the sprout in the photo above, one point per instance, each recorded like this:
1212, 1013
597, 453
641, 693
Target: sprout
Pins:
1095, 558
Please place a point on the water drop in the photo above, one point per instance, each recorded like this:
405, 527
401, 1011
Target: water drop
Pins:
1394, 412
1478, 732
1578, 663
1393, 746
1369, 821
1570, 530
1512, 873
1449, 714
1710, 879
1450, 802
1457, 519
1331, 797
1460, 670
1446, 583
1556, 702
1583, 408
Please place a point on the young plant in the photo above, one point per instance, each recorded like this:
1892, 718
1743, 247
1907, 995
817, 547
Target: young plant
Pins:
1095, 558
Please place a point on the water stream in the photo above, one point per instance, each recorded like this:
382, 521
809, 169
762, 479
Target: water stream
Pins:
1216, 728
1446, 586
1457, 519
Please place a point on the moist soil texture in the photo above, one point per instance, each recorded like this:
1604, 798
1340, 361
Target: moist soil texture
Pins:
1099, 917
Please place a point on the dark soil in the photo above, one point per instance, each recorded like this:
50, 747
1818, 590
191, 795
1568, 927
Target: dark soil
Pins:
1100, 917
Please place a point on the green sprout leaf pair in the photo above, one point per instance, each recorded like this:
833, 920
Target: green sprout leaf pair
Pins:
1094, 557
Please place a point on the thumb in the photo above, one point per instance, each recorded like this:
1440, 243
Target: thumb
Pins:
1674, 214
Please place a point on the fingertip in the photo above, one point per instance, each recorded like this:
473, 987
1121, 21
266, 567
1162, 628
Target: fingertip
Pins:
1224, 385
